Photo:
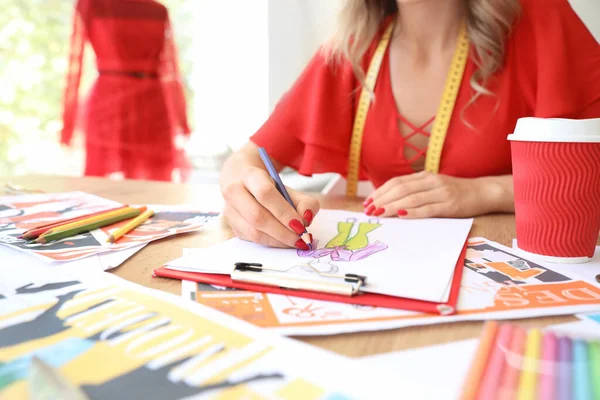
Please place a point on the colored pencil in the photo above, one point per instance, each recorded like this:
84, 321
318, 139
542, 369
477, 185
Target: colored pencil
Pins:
563, 383
36, 232
93, 219
486, 342
529, 374
134, 223
305, 236
581, 378
87, 228
548, 367
493, 371
594, 353
509, 383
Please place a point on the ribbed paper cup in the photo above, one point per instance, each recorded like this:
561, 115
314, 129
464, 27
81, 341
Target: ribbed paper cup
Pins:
556, 170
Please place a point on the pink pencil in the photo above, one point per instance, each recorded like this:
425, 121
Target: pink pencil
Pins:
548, 367
493, 371
509, 383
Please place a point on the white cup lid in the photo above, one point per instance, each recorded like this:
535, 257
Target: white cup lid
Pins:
532, 129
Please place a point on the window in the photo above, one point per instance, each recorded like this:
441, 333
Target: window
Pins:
236, 57
34, 46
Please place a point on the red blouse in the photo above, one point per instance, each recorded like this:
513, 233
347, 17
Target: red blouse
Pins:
552, 69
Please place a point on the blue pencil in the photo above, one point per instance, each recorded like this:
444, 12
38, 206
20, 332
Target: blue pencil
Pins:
563, 381
281, 188
581, 378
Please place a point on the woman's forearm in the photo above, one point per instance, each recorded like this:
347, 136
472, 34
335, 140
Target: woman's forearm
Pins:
497, 193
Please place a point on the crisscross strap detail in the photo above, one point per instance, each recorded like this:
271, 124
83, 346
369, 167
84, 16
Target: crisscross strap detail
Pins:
416, 130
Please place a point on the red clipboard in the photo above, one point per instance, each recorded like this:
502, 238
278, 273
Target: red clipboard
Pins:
363, 299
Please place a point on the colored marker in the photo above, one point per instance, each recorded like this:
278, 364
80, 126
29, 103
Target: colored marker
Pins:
594, 353
486, 341
563, 382
548, 367
493, 371
509, 383
581, 377
529, 375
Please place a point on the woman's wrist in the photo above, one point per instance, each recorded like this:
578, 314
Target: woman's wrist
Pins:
232, 170
496, 194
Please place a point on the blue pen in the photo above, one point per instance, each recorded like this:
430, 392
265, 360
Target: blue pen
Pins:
281, 188
581, 378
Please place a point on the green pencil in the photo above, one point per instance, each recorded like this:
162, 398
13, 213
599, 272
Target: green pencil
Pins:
86, 228
594, 358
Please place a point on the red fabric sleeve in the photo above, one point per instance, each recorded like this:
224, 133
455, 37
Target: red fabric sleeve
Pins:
567, 60
78, 40
171, 80
310, 128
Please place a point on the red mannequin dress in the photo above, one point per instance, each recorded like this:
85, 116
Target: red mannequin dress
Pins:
136, 107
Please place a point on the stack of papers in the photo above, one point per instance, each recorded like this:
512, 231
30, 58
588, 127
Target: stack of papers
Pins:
114, 339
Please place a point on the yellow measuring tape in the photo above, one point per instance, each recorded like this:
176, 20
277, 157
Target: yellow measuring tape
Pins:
443, 115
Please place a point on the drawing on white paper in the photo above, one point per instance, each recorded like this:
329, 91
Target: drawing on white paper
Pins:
347, 247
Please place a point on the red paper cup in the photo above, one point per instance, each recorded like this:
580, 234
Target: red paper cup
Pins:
556, 171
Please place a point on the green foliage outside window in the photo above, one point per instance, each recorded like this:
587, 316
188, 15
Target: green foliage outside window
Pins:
34, 46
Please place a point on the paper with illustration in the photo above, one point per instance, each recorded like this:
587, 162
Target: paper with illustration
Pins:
121, 341
20, 213
497, 283
415, 259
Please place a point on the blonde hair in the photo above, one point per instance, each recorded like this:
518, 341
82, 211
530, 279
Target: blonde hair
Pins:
488, 24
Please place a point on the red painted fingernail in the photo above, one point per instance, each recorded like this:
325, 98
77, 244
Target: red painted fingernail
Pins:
369, 210
297, 226
402, 213
301, 245
308, 217
367, 202
378, 212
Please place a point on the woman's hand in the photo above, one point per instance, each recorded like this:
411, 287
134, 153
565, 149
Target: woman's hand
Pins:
257, 212
427, 195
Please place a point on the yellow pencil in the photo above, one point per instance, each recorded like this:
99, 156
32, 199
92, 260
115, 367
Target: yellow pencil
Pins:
529, 375
131, 225
91, 220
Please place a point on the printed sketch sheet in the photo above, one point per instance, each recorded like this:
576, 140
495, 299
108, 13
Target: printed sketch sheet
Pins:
20, 213
497, 284
392, 253
10, 256
121, 341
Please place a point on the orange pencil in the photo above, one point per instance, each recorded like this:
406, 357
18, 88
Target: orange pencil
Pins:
35, 232
479, 362
93, 219
491, 379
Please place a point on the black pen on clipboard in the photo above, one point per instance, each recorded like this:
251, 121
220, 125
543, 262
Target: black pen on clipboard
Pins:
281, 188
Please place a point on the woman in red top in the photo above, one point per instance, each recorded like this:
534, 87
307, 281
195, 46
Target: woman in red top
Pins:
136, 108
526, 58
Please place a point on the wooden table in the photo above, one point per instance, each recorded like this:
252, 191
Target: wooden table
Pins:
138, 269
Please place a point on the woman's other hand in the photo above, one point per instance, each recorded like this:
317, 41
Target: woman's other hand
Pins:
427, 195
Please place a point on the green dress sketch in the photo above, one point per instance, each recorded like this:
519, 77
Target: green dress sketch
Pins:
344, 247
